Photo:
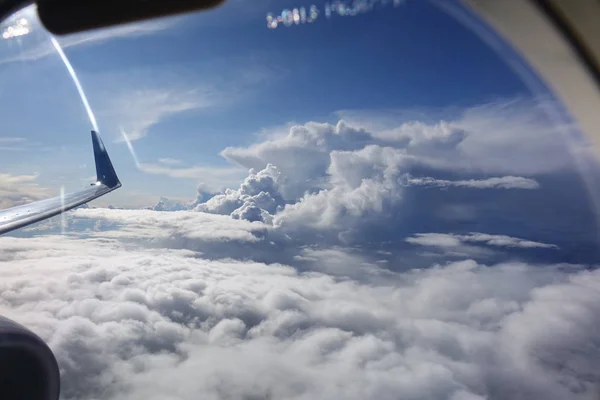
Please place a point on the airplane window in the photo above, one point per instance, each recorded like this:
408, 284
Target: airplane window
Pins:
324, 200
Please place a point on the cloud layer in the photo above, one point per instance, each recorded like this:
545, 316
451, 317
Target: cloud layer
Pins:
153, 323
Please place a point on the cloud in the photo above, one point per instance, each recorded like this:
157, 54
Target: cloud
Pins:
20, 189
308, 145
128, 321
170, 161
12, 140
353, 185
137, 110
454, 240
502, 240
256, 200
505, 182
368, 172
503, 137
211, 178
165, 204
364, 184
143, 100
18, 144
514, 136
371, 186
148, 224
349, 171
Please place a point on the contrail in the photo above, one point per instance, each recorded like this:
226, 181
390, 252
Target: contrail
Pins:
76, 82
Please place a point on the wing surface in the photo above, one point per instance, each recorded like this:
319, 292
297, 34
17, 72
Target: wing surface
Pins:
26, 214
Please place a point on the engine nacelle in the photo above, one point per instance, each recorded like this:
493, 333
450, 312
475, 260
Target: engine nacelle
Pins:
28, 368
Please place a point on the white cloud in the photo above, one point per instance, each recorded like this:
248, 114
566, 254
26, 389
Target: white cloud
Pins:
137, 110
148, 224
341, 206
12, 139
256, 200
18, 144
504, 182
362, 185
211, 178
511, 137
454, 240
503, 240
339, 176
165, 204
125, 321
20, 189
435, 239
355, 184
170, 161
307, 145
250, 211
137, 102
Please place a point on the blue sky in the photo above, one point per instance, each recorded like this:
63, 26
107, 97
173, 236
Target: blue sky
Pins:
193, 85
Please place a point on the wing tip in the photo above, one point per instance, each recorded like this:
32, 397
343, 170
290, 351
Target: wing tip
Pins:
105, 171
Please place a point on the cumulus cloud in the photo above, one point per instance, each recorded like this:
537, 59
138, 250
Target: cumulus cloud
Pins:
512, 137
165, 204
354, 172
153, 323
364, 184
369, 183
256, 200
503, 137
307, 145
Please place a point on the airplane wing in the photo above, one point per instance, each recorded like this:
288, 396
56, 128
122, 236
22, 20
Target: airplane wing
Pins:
106, 181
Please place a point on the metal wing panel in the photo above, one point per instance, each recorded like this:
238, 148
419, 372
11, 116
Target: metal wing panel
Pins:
20, 216
106, 181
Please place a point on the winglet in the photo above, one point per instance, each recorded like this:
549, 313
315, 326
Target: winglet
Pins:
105, 172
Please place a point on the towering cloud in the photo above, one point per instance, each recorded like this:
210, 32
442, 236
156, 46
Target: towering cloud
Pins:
256, 200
